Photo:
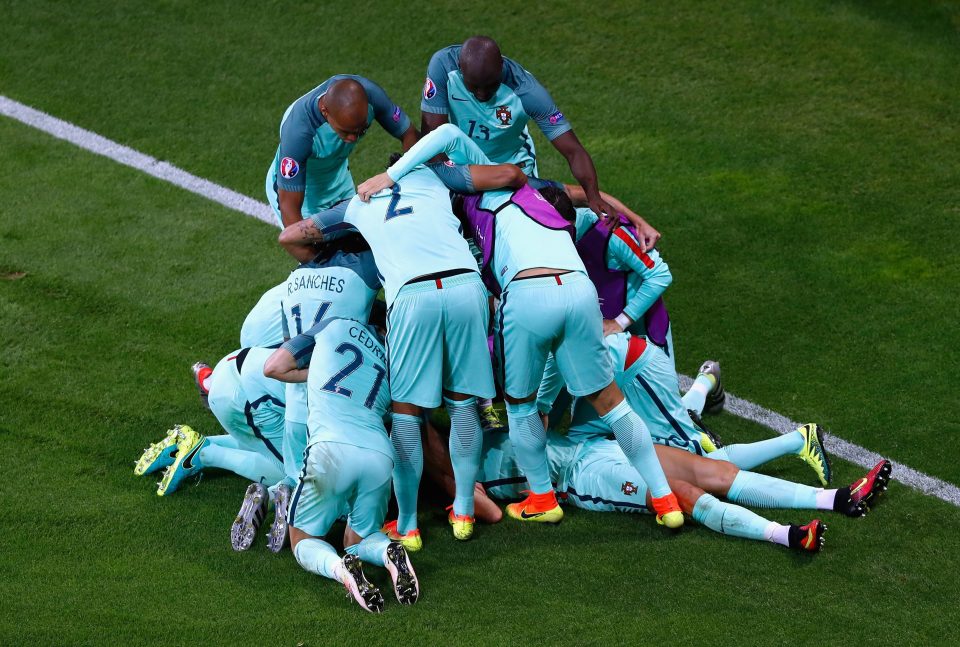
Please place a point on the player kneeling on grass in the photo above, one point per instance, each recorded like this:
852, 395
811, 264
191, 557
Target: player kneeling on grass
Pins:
348, 462
250, 407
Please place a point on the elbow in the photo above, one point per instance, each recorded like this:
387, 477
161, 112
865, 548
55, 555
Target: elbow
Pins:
272, 367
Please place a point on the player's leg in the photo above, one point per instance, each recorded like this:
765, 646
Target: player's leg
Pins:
530, 317
415, 367
319, 499
467, 374
368, 507
806, 442
707, 387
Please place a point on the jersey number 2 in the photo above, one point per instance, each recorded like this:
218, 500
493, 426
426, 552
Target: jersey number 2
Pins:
392, 211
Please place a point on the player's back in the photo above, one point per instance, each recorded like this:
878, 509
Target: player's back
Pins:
345, 285
523, 243
347, 386
412, 230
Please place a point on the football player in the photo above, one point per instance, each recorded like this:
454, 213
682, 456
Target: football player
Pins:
491, 98
348, 461
547, 305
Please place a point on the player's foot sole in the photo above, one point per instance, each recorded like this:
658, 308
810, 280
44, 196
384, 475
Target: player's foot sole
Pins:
252, 511
185, 464
359, 588
808, 538
814, 453
159, 455
405, 583
866, 489
277, 536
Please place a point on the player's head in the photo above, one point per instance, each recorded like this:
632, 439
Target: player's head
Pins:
560, 201
344, 106
482, 66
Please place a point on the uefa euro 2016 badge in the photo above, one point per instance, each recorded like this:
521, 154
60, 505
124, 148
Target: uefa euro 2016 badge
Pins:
504, 115
429, 89
289, 167
628, 488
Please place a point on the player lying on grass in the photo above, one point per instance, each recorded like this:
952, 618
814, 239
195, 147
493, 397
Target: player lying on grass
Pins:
594, 474
547, 305
348, 462
651, 387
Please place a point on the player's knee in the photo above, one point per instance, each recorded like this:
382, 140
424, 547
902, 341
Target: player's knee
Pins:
686, 493
406, 408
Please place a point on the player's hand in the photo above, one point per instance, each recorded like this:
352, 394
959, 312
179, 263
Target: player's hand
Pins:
606, 213
611, 327
374, 185
648, 235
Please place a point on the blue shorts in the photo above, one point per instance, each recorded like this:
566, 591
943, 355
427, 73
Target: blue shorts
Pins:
437, 339
254, 420
652, 388
558, 314
603, 480
340, 479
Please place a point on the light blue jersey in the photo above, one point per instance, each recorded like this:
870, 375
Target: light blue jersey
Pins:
498, 126
347, 383
345, 285
411, 230
263, 326
311, 157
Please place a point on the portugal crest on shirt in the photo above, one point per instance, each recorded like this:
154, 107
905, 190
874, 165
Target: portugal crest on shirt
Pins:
504, 115
628, 488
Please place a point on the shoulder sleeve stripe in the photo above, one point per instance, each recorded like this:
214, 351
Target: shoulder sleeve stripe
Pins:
632, 244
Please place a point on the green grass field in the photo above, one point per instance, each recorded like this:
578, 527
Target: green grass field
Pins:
802, 160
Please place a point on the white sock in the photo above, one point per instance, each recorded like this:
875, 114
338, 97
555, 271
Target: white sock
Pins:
776, 533
825, 499
205, 383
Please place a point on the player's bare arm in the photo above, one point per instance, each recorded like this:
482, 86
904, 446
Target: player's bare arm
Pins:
431, 121
581, 166
410, 137
648, 235
487, 177
282, 366
291, 202
300, 239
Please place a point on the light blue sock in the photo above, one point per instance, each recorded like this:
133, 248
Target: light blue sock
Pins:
529, 440
294, 444
729, 519
763, 491
635, 441
224, 440
696, 397
408, 448
466, 444
250, 465
371, 549
317, 556
747, 456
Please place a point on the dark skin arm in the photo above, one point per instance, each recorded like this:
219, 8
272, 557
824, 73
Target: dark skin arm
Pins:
409, 138
581, 165
648, 235
431, 121
291, 202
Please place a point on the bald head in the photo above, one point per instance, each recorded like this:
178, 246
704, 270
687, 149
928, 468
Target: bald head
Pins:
344, 105
482, 66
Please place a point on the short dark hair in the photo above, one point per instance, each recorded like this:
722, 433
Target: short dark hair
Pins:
560, 201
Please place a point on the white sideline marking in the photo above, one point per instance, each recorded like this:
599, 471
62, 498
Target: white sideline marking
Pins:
231, 199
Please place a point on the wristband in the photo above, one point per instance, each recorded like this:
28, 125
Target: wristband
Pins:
623, 320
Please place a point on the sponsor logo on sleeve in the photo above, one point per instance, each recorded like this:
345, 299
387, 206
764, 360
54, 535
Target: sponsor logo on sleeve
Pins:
556, 117
504, 115
449, 163
429, 89
396, 113
289, 167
